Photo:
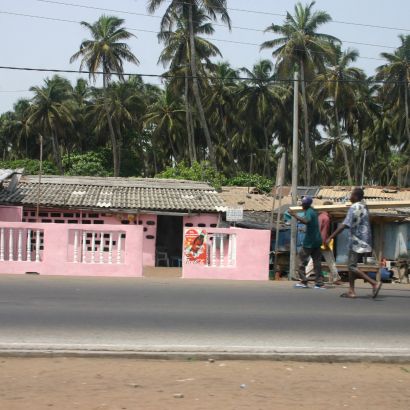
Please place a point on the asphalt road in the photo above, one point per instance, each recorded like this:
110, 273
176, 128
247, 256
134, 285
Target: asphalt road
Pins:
176, 315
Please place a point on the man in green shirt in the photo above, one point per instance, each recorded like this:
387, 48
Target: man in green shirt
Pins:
311, 244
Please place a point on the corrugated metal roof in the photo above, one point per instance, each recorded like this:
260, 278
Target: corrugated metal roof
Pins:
246, 198
340, 192
5, 173
116, 193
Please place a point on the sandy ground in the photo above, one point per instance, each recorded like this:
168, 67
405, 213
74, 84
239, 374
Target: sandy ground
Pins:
75, 383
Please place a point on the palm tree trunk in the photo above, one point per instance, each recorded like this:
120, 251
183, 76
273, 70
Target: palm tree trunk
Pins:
359, 159
56, 152
114, 144
192, 128
406, 107
195, 89
119, 147
228, 141
339, 136
306, 125
265, 161
187, 120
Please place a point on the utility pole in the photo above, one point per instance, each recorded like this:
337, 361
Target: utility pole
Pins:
280, 180
39, 180
295, 147
250, 169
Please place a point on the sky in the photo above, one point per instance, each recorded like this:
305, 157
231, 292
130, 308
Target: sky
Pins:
41, 43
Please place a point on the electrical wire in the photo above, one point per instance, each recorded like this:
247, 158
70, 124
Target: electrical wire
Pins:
260, 12
351, 23
214, 23
170, 76
155, 32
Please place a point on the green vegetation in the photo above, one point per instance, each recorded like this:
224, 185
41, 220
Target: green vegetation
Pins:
213, 122
205, 172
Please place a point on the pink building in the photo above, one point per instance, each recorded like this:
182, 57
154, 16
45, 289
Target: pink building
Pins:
115, 226
161, 207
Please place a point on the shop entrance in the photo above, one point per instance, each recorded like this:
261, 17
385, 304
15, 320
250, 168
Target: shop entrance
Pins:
169, 241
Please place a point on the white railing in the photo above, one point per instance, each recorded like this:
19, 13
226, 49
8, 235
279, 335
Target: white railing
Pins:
103, 247
220, 245
21, 244
231, 254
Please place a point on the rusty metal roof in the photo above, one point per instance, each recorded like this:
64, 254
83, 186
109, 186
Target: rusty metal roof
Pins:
340, 192
250, 199
115, 193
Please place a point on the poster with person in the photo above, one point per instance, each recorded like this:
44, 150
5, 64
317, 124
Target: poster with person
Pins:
195, 248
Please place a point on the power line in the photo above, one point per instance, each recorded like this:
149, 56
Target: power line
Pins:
14, 91
214, 23
170, 76
155, 32
351, 23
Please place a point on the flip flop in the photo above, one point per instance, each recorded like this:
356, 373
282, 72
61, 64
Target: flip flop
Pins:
376, 290
347, 295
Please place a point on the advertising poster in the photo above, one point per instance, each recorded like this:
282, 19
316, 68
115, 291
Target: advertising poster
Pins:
195, 249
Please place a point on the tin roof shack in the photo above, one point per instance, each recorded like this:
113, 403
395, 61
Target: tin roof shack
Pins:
256, 205
258, 214
391, 224
391, 227
161, 207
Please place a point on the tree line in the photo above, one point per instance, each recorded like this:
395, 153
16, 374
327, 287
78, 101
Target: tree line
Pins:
231, 120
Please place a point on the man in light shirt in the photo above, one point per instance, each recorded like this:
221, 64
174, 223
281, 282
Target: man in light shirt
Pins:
357, 220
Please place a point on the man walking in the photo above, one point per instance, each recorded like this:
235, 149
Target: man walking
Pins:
327, 250
357, 220
311, 244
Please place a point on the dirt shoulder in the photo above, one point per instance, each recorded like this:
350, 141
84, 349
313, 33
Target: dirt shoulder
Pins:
78, 383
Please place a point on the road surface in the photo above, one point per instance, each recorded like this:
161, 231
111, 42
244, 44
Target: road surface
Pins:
174, 315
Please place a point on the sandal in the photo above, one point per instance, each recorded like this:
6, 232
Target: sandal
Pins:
376, 290
348, 295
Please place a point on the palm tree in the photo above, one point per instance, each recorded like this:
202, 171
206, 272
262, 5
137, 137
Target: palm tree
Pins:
119, 105
222, 105
361, 117
302, 47
22, 130
213, 8
338, 85
80, 96
176, 55
396, 73
51, 113
106, 51
165, 117
259, 100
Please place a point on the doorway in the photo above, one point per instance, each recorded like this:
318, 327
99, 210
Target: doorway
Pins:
169, 241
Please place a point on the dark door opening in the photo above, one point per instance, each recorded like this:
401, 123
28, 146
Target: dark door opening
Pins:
169, 241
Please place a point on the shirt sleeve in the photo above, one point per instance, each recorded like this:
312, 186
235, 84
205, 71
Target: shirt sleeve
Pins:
324, 226
349, 218
308, 215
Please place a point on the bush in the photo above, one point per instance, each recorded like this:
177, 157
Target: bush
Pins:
204, 172
31, 166
92, 163
198, 172
244, 179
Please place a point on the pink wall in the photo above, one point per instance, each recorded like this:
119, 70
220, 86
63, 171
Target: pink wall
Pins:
57, 251
72, 217
252, 258
11, 213
201, 219
147, 221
